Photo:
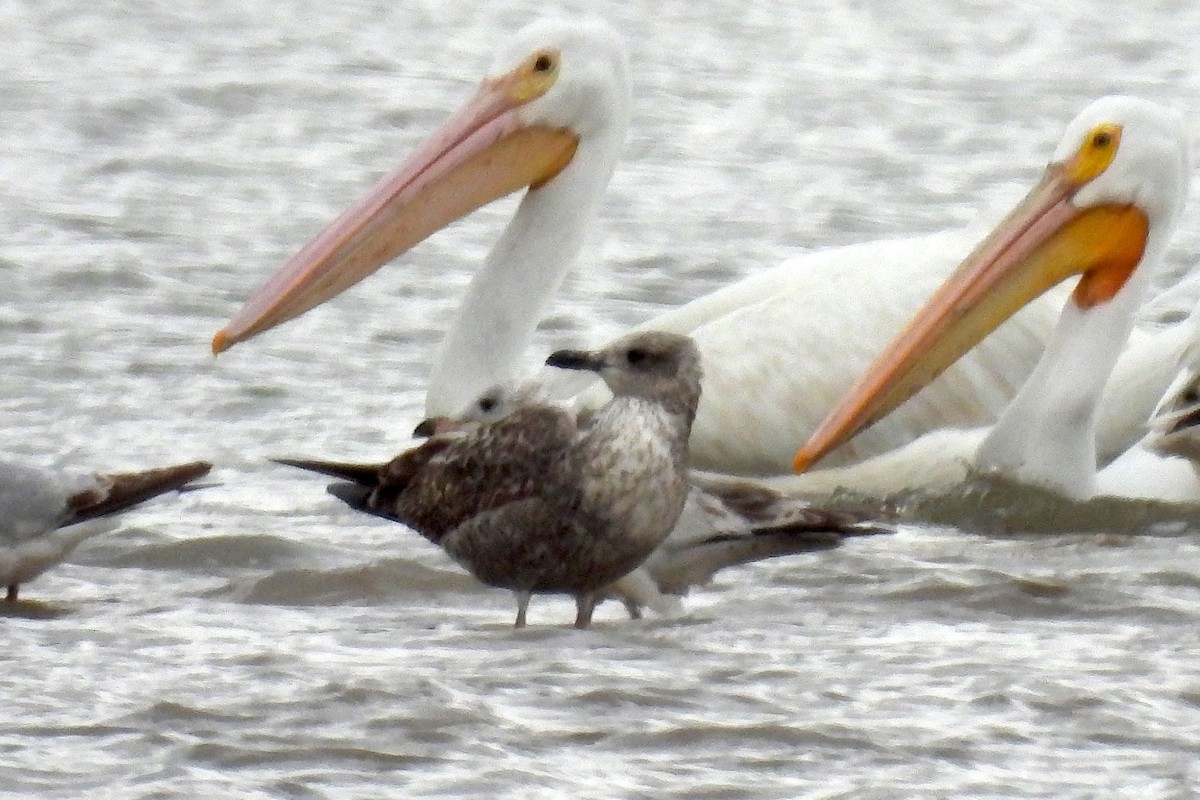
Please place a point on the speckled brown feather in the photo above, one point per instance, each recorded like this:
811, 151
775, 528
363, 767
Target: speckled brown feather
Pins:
767, 507
451, 477
472, 472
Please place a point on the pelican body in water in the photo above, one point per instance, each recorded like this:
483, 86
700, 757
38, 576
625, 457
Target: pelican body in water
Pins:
44, 514
1105, 210
778, 347
540, 502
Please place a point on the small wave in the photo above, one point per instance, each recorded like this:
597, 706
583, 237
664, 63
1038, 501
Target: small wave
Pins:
329, 756
703, 736
992, 590
377, 583
994, 506
231, 551
34, 609
167, 712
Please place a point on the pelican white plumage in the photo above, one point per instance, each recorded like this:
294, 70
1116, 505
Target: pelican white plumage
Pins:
1105, 210
778, 347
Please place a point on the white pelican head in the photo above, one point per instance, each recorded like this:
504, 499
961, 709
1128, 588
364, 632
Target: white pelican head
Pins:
557, 90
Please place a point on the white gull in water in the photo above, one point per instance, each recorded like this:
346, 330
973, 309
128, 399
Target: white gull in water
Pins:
539, 501
44, 514
778, 347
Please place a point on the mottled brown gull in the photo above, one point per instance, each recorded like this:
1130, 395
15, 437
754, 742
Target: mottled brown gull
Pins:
44, 514
539, 501
727, 521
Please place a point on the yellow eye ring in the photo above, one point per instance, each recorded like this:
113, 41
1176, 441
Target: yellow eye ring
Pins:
535, 76
1097, 152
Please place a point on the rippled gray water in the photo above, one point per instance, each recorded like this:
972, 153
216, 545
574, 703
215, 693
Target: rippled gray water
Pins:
256, 640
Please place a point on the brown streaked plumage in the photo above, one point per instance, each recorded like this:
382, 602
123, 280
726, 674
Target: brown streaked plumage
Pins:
728, 521
539, 502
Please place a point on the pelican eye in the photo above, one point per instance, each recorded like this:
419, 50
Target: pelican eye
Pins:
1096, 153
535, 75
636, 355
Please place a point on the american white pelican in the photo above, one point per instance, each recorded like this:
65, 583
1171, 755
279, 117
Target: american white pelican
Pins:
1105, 210
44, 515
778, 347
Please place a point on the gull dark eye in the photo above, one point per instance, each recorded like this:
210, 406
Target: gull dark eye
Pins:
635, 356
1191, 394
487, 404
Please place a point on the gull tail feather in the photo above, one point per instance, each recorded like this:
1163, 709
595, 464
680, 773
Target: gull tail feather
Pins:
360, 474
739, 522
697, 563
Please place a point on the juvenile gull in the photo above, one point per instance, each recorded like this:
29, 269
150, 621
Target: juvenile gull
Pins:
727, 521
539, 501
44, 514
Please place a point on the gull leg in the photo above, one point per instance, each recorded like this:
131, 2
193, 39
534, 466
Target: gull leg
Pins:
585, 604
635, 611
522, 606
